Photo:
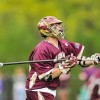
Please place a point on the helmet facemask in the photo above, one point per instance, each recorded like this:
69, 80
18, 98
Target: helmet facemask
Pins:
56, 31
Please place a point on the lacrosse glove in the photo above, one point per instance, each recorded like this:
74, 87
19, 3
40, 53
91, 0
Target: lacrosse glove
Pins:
70, 62
95, 58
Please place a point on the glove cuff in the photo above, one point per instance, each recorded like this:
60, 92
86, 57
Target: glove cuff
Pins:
64, 71
60, 67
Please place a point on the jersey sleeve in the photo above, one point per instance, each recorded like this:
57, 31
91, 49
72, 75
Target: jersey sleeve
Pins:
77, 48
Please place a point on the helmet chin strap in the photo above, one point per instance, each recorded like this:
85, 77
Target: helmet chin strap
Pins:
45, 33
58, 35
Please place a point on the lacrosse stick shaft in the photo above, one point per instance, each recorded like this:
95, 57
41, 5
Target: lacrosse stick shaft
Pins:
26, 62
38, 61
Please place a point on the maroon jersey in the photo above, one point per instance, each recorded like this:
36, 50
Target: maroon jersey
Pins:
46, 51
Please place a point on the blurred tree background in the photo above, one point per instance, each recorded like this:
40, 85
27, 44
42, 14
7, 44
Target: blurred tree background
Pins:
19, 34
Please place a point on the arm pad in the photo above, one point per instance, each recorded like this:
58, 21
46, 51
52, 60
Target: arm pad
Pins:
82, 62
48, 78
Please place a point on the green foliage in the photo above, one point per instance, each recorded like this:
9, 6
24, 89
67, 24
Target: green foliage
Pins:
18, 26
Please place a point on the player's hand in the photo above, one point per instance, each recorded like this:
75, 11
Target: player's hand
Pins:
70, 62
95, 58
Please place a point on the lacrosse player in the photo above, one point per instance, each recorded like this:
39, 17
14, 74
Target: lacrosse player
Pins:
93, 88
43, 77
